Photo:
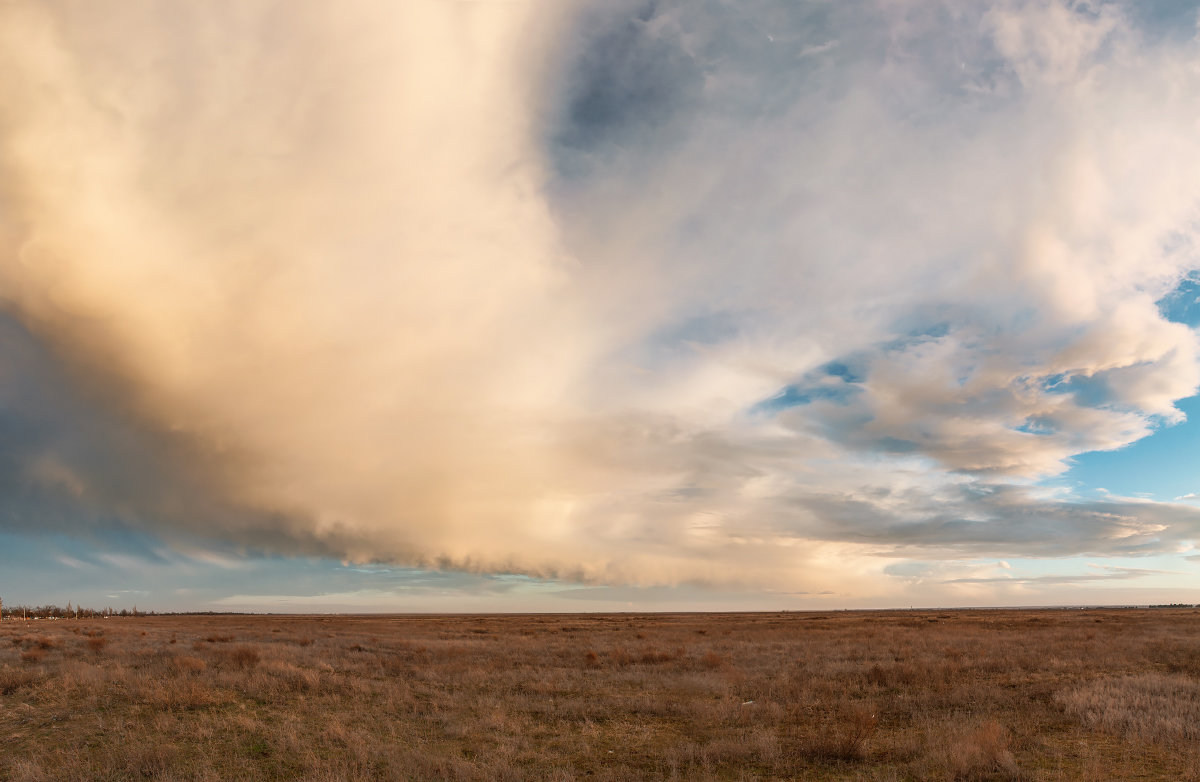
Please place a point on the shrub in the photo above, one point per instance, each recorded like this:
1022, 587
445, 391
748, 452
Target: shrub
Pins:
244, 656
97, 643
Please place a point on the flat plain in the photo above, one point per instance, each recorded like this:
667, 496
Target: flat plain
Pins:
1060, 694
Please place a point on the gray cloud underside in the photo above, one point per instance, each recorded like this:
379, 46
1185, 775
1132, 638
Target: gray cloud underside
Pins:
665, 292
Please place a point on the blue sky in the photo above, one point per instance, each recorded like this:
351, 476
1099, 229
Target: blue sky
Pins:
599, 305
1163, 466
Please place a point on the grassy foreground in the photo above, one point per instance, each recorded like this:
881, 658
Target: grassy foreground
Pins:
960, 695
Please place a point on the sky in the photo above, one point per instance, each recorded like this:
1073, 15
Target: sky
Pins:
591, 305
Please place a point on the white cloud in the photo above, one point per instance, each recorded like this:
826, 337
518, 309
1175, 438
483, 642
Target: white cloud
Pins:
562, 290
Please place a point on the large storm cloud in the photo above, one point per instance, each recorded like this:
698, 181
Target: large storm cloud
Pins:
642, 293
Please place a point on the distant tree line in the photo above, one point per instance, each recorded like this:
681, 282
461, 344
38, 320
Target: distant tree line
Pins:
69, 612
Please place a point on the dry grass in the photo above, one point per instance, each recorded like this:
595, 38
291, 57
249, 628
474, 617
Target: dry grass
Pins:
964, 695
982, 752
1147, 706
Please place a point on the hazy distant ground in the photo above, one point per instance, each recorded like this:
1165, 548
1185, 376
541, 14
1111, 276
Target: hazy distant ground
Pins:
1033, 695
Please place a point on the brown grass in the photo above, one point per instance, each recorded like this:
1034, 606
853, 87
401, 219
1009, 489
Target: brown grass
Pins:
845, 737
970, 695
983, 753
1146, 706
185, 664
35, 655
242, 656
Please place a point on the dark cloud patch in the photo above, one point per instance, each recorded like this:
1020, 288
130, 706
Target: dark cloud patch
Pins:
629, 78
984, 520
642, 79
75, 459
55, 447
1170, 19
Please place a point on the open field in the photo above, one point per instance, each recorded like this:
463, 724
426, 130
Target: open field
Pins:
952, 695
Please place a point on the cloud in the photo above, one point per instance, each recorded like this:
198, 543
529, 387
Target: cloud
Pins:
616, 292
1107, 573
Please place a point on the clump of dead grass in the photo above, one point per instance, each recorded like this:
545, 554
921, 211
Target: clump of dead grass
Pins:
982, 753
35, 655
12, 679
186, 664
243, 656
845, 737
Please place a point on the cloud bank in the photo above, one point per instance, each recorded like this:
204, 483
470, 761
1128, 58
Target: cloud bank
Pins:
639, 293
